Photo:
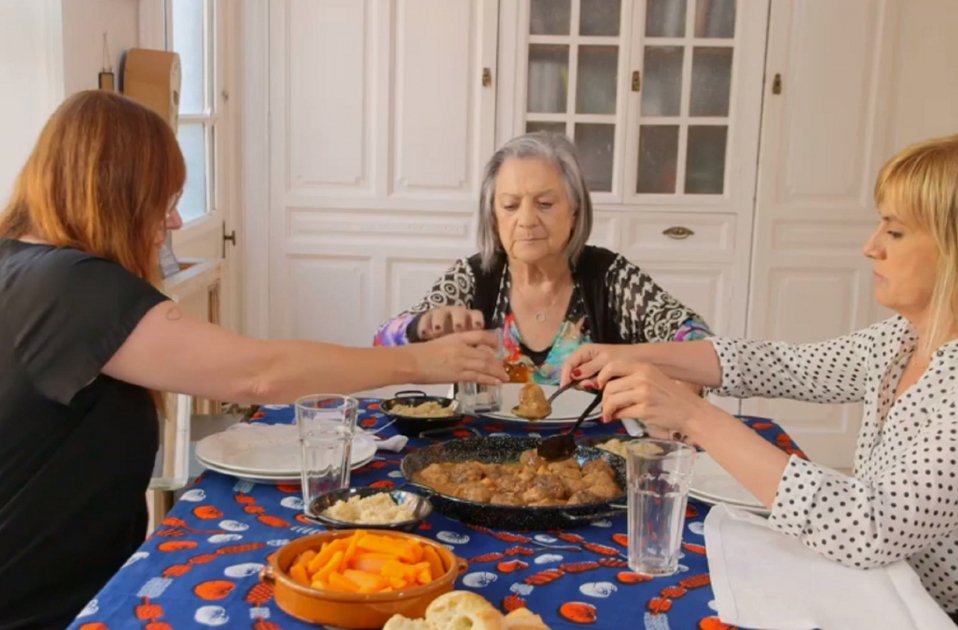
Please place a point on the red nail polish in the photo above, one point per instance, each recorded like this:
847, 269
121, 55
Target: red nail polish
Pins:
576, 373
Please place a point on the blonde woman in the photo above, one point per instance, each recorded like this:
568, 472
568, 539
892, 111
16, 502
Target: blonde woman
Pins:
902, 500
85, 338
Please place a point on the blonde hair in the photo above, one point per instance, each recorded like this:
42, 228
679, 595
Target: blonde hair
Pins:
101, 178
921, 184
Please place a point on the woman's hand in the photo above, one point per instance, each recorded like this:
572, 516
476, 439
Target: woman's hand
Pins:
640, 390
469, 356
590, 358
446, 320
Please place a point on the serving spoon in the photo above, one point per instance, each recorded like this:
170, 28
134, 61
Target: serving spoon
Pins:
563, 445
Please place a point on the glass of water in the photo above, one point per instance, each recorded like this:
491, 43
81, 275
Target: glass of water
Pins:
326, 423
659, 473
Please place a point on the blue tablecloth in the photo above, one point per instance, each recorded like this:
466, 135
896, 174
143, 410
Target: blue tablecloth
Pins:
200, 567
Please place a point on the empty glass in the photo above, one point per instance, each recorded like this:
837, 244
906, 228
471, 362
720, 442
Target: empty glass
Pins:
659, 473
476, 397
326, 425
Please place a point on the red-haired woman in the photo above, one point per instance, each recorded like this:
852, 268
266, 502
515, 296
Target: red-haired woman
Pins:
85, 338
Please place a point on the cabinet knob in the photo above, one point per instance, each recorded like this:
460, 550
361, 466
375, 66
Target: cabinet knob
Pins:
486, 77
777, 84
678, 232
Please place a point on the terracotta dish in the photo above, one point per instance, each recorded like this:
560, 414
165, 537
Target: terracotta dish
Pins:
353, 610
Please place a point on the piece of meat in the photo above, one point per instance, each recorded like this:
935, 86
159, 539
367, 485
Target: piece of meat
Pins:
474, 492
551, 486
532, 403
582, 496
466, 472
505, 498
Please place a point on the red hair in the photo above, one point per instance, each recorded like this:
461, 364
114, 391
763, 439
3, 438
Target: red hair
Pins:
101, 178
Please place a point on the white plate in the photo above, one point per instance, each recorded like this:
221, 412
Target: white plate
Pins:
712, 484
270, 479
565, 409
267, 450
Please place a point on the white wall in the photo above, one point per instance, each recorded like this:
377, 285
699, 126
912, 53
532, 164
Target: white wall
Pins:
31, 74
50, 49
926, 78
84, 22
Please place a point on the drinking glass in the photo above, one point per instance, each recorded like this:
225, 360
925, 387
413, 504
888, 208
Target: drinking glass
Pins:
476, 397
327, 423
658, 477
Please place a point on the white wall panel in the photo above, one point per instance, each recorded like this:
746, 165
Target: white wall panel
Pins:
327, 83
826, 125
434, 146
327, 226
408, 280
328, 300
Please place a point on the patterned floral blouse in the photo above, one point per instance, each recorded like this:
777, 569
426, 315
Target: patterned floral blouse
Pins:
643, 312
902, 503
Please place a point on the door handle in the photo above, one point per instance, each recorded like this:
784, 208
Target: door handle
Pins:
678, 232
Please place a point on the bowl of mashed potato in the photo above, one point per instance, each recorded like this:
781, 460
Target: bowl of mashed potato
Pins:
416, 412
371, 508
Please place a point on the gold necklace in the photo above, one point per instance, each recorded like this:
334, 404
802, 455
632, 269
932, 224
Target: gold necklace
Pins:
541, 315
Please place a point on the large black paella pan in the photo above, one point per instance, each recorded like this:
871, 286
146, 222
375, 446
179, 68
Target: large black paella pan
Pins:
501, 449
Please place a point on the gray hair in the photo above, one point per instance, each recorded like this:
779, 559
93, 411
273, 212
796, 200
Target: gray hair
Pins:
556, 149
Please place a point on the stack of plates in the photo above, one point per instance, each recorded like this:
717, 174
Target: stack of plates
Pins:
712, 484
266, 453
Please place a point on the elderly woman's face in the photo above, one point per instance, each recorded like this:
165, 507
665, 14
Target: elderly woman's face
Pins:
904, 262
532, 209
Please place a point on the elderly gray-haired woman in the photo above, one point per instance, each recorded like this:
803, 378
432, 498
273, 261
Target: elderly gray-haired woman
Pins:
534, 276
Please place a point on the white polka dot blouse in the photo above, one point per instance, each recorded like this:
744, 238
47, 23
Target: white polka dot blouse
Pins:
901, 502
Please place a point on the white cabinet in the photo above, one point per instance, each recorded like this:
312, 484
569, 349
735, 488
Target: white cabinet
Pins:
661, 99
379, 124
823, 141
380, 114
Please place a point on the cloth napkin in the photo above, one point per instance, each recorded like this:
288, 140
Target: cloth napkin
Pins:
395, 443
764, 579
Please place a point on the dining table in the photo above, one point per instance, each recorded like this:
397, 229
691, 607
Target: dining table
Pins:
200, 567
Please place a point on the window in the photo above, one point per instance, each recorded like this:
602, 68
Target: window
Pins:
191, 33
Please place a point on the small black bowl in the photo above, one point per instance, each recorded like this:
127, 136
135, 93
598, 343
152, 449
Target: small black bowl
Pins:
414, 425
420, 506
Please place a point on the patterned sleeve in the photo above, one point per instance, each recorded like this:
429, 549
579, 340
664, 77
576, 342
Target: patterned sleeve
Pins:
456, 287
645, 311
863, 523
832, 371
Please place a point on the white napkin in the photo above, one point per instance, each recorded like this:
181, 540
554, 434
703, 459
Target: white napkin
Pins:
396, 443
764, 579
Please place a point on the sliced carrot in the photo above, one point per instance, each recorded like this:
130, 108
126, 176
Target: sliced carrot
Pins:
342, 583
435, 562
370, 562
331, 567
316, 562
298, 573
368, 582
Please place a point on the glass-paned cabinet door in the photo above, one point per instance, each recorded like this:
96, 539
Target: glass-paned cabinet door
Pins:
643, 87
575, 60
682, 58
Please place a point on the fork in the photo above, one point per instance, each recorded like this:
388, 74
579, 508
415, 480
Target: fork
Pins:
563, 445
559, 390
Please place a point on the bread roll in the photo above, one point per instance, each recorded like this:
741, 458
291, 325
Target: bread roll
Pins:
523, 619
465, 610
398, 622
